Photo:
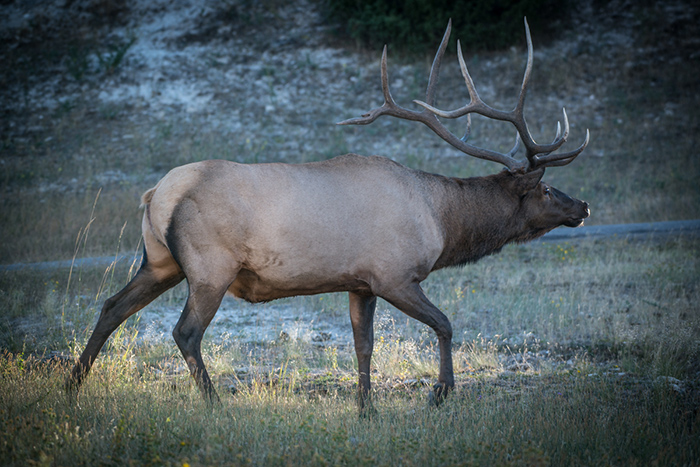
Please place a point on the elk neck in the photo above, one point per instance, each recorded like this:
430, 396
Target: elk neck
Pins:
478, 217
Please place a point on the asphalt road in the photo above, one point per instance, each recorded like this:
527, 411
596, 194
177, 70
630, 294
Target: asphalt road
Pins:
645, 231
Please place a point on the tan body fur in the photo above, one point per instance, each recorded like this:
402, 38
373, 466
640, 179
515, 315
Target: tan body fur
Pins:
298, 229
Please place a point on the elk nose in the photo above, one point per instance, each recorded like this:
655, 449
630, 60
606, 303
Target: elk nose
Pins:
585, 207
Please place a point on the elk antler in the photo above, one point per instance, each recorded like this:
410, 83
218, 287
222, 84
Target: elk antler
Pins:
538, 155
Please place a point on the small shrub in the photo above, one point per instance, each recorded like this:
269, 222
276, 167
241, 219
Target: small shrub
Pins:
110, 61
414, 25
108, 57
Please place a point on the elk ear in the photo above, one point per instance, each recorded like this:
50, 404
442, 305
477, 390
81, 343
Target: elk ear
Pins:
526, 181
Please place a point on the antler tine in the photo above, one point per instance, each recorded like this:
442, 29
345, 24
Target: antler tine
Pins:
385, 79
528, 71
559, 138
566, 124
435, 67
556, 137
390, 107
537, 155
516, 146
476, 101
468, 130
475, 106
389, 103
473, 94
557, 160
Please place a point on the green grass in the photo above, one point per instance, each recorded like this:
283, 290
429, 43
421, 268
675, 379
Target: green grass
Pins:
565, 354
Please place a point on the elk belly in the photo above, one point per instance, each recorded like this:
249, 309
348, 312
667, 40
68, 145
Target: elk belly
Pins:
253, 288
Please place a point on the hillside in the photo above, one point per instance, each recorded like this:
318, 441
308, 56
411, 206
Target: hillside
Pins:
112, 94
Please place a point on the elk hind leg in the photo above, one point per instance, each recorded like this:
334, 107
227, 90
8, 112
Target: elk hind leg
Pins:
146, 286
362, 318
204, 299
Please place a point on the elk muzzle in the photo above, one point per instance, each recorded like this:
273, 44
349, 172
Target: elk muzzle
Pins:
576, 211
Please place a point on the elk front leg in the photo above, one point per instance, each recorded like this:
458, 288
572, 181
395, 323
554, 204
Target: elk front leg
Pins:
362, 319
412, 301
139, 292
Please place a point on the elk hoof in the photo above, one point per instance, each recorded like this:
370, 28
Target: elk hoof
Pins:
212, 399
367, 412
71, 387
365, 406
438, 394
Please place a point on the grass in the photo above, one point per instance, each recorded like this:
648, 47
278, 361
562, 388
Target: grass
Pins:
561, 420
564, 354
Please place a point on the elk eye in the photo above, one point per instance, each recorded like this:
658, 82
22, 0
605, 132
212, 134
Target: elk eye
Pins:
546, 191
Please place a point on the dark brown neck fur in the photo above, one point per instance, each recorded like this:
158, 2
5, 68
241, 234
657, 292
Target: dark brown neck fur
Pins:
478, 216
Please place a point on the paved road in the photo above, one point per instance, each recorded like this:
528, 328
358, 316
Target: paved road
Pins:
648, 230
651, 230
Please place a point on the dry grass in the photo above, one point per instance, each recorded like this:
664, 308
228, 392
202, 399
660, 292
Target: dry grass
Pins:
562, 420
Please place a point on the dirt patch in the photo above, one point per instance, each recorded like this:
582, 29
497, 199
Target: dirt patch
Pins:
250, 324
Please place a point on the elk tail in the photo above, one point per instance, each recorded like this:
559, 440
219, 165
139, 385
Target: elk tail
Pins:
147, 197
146, 206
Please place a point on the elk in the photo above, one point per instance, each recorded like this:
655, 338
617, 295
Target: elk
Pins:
367, 226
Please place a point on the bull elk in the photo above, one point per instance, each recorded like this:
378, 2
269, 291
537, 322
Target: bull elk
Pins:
367, 226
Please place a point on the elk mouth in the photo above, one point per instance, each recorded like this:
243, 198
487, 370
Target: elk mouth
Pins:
578, 221
574, 222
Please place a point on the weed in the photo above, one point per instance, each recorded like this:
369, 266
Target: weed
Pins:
78, 61
110, 60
